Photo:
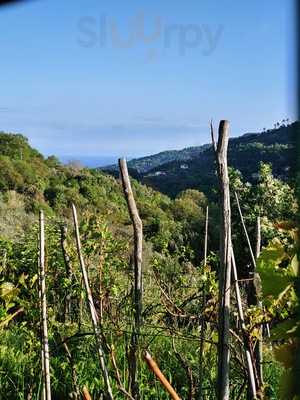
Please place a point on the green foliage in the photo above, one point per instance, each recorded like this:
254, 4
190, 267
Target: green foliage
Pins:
276, 147
178, 288
278, 267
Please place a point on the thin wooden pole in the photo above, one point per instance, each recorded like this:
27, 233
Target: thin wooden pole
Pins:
225, 261
138, 279
247, 345
69, 270
245, 231
258, 238
259, 345
201, 319
206, 236
94, 316
45, 355
258, 351
43, 392
155, 369
85, 393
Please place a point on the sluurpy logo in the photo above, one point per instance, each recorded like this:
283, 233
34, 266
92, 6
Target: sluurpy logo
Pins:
183, 38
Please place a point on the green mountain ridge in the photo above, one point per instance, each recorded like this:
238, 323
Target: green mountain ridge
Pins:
276, 146
144, 164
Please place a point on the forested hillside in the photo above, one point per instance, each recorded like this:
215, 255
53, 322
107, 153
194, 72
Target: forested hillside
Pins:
180, 267
196, 170
144, 164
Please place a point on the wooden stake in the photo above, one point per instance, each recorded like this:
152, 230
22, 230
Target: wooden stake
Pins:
69, 270
138, 279
225, 261
86, 394
245, 231
45, 353
43, 393
155, 369
206, 236
258, 351
94, 316
247, 345
201, 319
258, 238
259, 345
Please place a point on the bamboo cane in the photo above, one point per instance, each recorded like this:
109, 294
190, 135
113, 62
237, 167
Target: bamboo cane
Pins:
259, 345
249, 361
43, 394
206, 236
45, 354
202, 322
69, 270
94, 316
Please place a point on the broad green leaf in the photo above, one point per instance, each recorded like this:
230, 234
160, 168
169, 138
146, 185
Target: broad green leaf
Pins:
273, 278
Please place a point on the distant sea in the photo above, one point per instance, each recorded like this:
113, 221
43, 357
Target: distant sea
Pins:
91, 161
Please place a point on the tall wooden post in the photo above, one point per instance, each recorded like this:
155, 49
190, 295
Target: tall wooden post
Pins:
94, 316
225, 260
138, 279
45, 352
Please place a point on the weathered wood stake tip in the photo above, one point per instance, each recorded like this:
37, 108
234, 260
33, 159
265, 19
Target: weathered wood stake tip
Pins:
164, 381
86, 394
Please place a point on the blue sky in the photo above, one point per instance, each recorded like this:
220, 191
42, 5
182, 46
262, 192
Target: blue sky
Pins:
114, 78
